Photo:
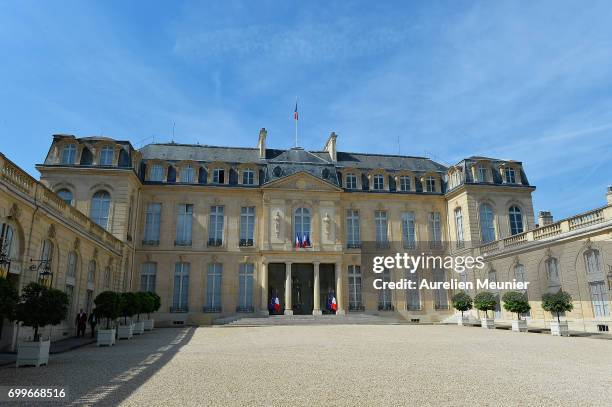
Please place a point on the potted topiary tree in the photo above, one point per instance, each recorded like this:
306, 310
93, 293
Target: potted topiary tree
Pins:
462, 302
144, 303
38, 307
154, 306
515, 301
129, 307
558, 302
486, 301
107, 307
8, 301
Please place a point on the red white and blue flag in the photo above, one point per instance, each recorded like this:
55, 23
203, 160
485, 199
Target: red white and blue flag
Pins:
298, 240
276, 304
295, 112
334, 305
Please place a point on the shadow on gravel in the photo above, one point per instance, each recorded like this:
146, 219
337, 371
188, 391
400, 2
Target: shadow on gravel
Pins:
102, 376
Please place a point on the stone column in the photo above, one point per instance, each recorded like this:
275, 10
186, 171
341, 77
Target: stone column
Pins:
288, 305
316, 309
264, 288
339, 299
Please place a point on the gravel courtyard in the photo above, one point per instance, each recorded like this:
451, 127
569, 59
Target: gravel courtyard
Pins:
332, 365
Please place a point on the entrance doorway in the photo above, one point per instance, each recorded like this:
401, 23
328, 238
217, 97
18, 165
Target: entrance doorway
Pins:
276, 283
302, 284
327, 277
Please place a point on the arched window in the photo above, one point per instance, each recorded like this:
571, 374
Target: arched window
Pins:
302, 225
91, 272
68, 154
9, 246
519, 273
106, 155
592, 259
516, 220
72, 264
487, 229
552, 272
107, 277
66, 195
100, 205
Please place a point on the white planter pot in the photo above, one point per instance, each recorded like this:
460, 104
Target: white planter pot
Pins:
125, 331
33, 353
138, 328
559, 328
106, 337
462, 321
487, 323
149, 324
519, 325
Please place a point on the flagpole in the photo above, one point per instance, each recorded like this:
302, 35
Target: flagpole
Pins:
296, 123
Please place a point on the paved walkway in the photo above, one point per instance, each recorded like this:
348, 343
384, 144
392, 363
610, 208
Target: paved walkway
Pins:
332, 365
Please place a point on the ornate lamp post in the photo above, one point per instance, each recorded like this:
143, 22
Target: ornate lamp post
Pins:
43, 268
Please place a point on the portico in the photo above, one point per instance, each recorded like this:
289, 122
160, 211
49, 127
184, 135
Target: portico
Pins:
302, 287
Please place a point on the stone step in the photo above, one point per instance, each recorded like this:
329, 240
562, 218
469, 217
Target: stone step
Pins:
363, 319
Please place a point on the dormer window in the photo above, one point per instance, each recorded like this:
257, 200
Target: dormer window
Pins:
157, 173
379, 182
482, 173
430, 184
404, 182
248, 177
68, 154
510, 175
187, 174
218, 176
106, 155
455, 179
351, 181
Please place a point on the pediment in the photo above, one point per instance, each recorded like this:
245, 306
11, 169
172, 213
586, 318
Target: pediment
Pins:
302, 181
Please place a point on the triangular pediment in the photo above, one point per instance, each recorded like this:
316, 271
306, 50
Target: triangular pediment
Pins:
302, 181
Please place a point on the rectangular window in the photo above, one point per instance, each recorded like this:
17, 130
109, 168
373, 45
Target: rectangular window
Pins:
213, 288
247, 226
68, 154
245, 288
354, 275
215, 226
353, 240
248, 177
413, 296
385, 302
183, 225
408, 230
351, 181
379, 182
599, 299
147, 276
430, 184
152, 224
459, 228
380, 219
435, 233
106, 155
218, 176
482, 173
180, 297
404, 183
157, 173
187, 174
440, 295
510, 176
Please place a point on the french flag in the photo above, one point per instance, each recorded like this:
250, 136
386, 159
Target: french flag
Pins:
276, 305
295, 112
334, 305
298, 240
306, 240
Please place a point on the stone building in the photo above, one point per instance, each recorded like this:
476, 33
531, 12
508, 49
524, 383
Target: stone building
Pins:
218, 232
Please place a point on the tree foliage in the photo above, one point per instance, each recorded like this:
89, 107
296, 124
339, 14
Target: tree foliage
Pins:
515, 301
146, 303
462, 302
558, 302
485, 301
40, 306
9, 297
108, 306
130, 305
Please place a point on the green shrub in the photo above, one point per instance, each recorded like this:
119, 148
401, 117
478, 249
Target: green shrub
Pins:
462, 302
146, 303
558, 302
40, 306
515, 301
485, 301
156, 301
108, 305
130, 305
9, 297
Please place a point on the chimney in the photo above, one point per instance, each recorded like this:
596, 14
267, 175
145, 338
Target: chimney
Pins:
544, 218
261, 144
330, 146
609, 195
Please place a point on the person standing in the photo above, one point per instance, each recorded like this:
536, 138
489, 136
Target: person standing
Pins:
81, 322
93, 321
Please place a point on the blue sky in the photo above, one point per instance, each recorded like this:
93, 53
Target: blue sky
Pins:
529, 81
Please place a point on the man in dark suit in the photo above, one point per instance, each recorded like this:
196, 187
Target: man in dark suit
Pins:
93, 321
81, 322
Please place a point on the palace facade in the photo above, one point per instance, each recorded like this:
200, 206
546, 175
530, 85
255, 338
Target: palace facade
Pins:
217, 232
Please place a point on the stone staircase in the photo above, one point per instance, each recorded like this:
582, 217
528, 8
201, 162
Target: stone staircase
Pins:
275, 320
